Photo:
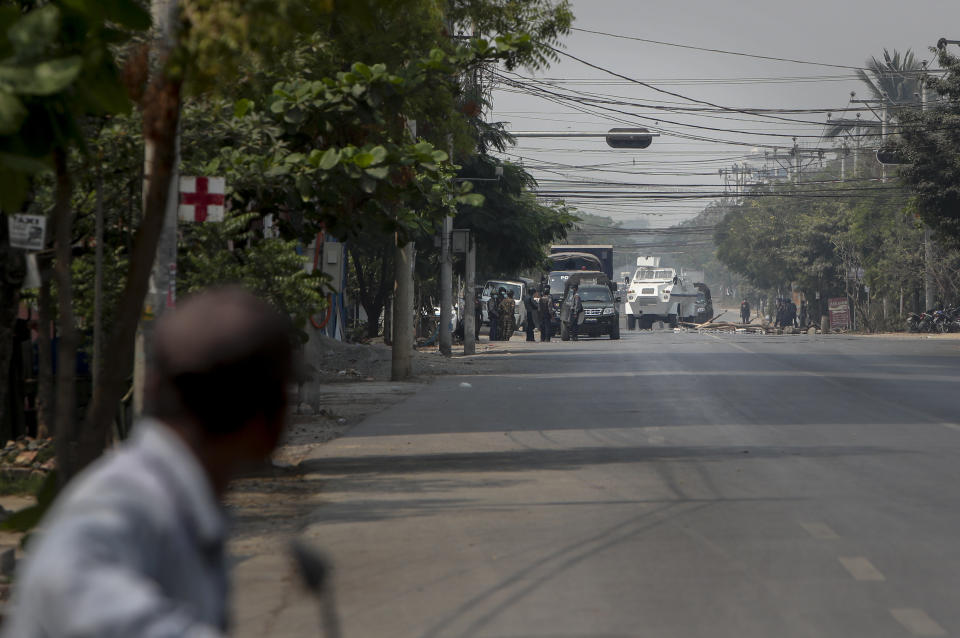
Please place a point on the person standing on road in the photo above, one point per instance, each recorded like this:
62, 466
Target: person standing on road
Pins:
576, 307
745, 311
477, 314
803, 314
493, 314
507, 321
791, 314
136, 544
533, 311
545, 314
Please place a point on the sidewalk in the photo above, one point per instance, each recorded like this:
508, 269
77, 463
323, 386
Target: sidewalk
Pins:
269, 511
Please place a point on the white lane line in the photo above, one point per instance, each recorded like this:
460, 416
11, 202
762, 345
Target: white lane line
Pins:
952, 426
917, 622
860, 568
820, 531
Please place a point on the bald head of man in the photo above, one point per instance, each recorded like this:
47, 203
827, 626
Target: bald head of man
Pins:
222, 365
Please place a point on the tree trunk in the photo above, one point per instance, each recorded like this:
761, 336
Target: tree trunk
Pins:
46, 407
12, 272
160, 120
66, 423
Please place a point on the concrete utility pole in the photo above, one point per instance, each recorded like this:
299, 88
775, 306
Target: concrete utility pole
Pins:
469, 309
163, 281
402, 354
446, 288
929, 286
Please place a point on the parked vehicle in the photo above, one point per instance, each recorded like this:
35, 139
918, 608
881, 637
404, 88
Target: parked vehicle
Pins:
600, 316
602, 252
519, 288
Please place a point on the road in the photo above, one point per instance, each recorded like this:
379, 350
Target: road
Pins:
669, 484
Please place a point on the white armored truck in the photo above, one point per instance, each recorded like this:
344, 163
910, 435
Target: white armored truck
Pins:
659, 294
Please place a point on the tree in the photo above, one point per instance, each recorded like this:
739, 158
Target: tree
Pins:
511, 227
57, 68
893, 81
930, 141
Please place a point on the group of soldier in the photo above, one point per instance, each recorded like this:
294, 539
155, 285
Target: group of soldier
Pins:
787, 315
501, 309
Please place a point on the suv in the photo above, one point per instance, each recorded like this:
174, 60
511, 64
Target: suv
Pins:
600, 314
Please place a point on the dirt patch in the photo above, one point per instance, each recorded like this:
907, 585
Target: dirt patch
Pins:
347, 383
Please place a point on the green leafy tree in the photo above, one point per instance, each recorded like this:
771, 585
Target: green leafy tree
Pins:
930, 141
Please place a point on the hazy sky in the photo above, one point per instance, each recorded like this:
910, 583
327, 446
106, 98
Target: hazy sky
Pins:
839, 32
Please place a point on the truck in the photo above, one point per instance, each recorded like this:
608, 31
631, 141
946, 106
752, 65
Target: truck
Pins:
658, 294
603, 252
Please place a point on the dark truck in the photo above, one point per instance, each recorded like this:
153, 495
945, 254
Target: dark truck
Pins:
603, 253
600, 315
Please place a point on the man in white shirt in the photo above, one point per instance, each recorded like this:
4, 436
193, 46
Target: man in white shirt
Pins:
134, 547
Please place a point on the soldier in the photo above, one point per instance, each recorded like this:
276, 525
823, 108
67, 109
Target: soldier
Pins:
576, 307
507, 308
545, 314
533, 309
493, 314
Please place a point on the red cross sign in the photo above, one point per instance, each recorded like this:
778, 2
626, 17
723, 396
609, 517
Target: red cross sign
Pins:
202, 199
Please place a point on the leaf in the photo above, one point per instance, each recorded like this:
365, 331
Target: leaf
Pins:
330, 158
34, 32
380, 172
363, 159
379, 154
45, 78
471, 199
242, 107
12, 113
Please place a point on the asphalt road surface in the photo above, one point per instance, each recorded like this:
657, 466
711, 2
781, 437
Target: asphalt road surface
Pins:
664, 485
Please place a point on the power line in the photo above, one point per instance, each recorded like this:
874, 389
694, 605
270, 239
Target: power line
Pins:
709, 50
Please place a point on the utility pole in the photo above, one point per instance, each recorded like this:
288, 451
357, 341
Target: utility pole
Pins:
469, 309
446, 288
162, 291
929, 286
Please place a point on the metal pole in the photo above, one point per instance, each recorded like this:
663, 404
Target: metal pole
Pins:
469, 311
402, 360
162, 291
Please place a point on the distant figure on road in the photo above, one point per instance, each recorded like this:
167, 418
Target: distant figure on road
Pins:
803, 314
136, 545
533, 311
791, 313
507, 321
545, 314
477, 314
493, 314
745, 311
576, 307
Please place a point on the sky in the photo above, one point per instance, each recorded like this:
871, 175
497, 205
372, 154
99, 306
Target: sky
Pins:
839, 32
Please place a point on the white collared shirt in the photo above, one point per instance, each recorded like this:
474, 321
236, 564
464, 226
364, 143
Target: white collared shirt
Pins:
134, 548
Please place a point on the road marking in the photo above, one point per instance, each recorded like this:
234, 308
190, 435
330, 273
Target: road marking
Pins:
820, 531
917, 622
952, 426
860, 568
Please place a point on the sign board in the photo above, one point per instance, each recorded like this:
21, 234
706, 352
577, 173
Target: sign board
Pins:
459, 240
839, 308
27, 231
202, 199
